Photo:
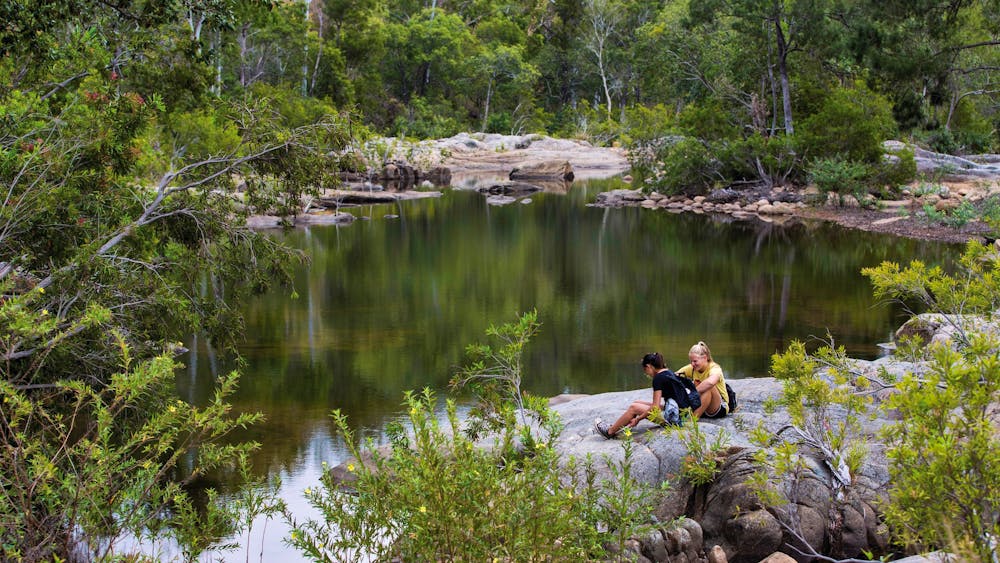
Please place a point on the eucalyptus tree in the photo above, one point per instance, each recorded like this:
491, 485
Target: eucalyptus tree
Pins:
773, 31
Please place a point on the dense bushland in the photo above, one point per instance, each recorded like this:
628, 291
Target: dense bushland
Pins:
136, 137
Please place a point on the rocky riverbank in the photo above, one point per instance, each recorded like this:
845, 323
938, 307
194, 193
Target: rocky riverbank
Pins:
408, 170
833, 513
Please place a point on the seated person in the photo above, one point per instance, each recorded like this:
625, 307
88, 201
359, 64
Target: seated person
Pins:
711, 384
663, 392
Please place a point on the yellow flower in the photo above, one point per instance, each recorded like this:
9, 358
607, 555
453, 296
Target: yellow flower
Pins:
45, 312
350, 467
41, 290
308, 491
423, 509
628, 432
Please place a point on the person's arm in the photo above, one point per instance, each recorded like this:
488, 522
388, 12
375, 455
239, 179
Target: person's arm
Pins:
657, 394
714, 375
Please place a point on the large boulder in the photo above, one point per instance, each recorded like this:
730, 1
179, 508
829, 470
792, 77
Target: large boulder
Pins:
823, 517
546, 170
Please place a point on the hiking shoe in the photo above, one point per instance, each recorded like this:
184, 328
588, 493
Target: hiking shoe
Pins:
602, 429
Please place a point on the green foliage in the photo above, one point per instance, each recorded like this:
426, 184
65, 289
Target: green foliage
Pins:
293, 110
851, 122
770, 160
493, 373
500, 501
894, 172
708, 120
703, 460
622, 506
989, 209
84, 465
398, 504
427, 119
684, 166
838, 175
955, 218
911, 349
976, 291
943, 449
121, 229
820, 392
945, 454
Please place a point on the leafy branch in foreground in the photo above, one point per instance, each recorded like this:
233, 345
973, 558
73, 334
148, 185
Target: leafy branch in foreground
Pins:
398, 504
494, 373
82, 467
944, 449
105, 260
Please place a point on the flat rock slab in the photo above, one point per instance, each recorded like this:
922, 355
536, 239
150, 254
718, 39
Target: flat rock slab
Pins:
313, 218
503, 153
333, 198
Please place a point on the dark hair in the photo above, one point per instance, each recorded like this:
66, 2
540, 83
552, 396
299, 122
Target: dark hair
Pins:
653, 359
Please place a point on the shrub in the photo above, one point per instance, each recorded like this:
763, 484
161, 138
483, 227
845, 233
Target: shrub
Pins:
685, 166
701, 464
839, 175
426, 119
709, 121
511, 501
770, 160
894, 172
941, 140
852, 122
820, 395
295, 110
486, 508
944, 451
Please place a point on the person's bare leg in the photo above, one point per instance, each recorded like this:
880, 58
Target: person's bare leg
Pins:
637, 409
711, 400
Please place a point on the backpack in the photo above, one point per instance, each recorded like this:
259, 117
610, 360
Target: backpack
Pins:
693, 397
682, 390
685, 391
732, 399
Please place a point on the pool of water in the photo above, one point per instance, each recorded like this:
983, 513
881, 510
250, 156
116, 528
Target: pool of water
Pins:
389, 303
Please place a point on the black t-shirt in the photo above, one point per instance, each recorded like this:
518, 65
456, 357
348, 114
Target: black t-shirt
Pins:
675, 387
663, 383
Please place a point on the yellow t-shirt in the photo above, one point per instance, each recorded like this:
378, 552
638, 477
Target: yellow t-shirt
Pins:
699, 376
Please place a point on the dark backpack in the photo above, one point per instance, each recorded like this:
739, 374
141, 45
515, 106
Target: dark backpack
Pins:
693, 397
732, 399
686, 393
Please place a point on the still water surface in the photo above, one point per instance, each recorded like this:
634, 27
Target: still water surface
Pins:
388, 304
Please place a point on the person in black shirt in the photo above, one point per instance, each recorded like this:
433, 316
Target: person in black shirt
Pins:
663, 396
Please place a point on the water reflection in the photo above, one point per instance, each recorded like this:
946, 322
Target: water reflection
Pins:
389, 304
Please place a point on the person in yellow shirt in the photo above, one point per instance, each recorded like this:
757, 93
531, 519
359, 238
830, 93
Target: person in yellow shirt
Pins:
708, 378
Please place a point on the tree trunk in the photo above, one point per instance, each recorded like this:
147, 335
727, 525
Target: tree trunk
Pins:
604, 80
486, 110
242, 41
786, 91
218, 63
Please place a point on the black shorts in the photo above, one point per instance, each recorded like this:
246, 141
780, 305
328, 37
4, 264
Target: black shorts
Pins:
721, 413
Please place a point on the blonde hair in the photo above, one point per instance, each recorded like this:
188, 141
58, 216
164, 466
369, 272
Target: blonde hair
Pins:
701, 349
